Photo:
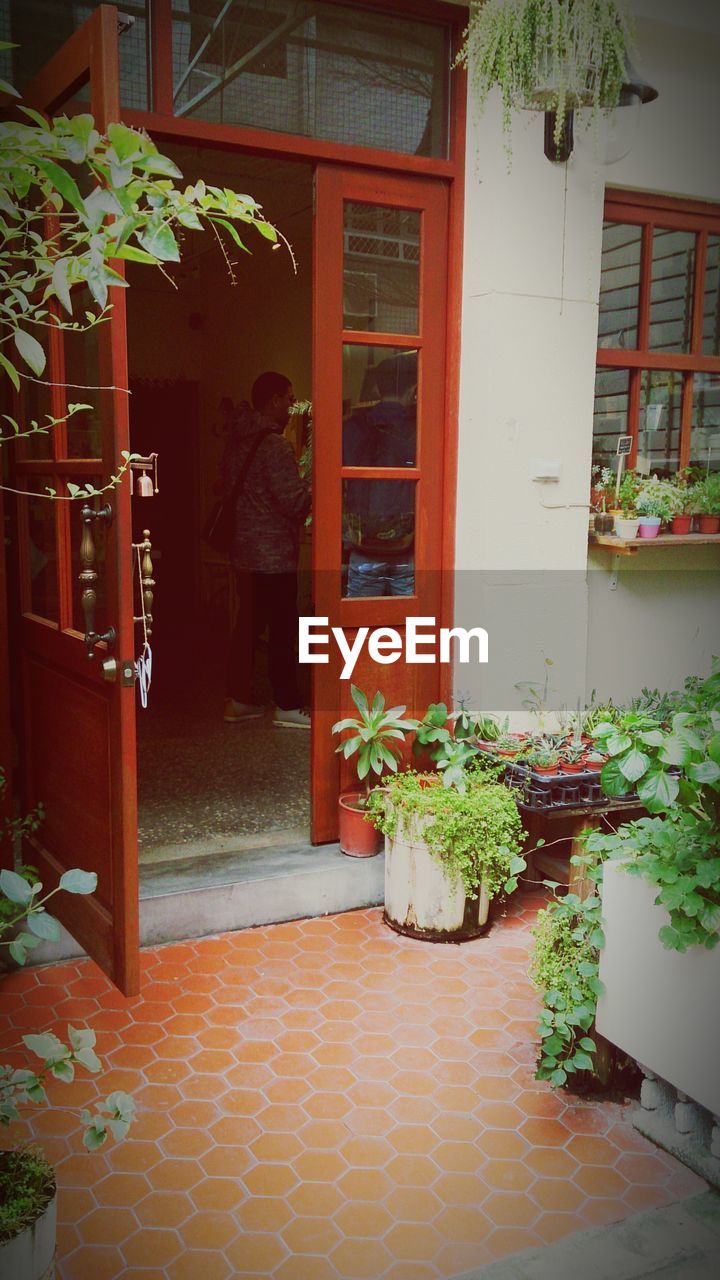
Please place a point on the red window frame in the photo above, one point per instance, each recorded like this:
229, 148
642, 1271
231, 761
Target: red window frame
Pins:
650, 211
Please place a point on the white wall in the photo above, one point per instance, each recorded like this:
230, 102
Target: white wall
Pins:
529, 331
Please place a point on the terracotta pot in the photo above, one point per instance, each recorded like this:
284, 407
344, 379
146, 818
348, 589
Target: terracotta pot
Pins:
566, 767
708, 524
680, 524
545, 770
594, 766
358, 837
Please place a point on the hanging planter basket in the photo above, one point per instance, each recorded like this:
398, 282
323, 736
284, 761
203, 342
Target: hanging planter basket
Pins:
548, 55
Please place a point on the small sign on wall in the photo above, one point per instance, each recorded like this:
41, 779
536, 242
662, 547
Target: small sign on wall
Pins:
624, 446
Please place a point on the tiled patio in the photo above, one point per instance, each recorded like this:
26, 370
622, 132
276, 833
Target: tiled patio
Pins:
326, 1099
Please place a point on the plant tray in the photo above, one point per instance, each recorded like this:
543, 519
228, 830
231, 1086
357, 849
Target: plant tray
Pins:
559, 791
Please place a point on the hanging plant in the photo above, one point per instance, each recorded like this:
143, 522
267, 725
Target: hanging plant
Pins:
548, 55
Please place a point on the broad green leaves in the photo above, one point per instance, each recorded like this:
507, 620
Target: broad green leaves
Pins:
375, 733
77, 881
568, 937
132, 210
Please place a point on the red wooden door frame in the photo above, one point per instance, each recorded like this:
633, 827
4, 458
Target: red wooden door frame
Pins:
80, 718
420, 684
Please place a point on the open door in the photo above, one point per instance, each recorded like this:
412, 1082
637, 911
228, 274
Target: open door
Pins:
78, 699
380, 440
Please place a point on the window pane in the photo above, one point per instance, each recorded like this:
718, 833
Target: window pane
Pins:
611, 414
378, 537
711, 302
379, 407
43, 550
36, 406
40, 27
82, 376
319, 70
99, 534
705, 434
671, 293
381, 268
619, 285
659, 433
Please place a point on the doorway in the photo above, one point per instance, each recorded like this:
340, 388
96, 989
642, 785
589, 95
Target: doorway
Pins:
197, 339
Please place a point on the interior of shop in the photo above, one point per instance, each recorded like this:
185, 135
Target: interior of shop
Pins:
199, 334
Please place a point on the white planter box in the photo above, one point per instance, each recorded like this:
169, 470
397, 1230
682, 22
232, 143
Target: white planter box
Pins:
660, 1007
31, 1255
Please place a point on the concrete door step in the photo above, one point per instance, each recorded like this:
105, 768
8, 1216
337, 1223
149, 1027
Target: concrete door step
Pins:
680, 1242
237, 889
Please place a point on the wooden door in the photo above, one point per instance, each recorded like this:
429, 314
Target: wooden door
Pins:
379, 398
78, 731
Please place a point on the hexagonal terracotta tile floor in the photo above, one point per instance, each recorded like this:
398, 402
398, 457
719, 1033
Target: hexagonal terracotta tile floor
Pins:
326, 1099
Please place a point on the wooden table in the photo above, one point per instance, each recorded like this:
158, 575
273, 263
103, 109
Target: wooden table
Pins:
567, 824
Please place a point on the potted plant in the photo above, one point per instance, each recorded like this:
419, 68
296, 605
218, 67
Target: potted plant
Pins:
432, 732
681, 507
448, 852
28, 1193
572, 758
595, 760
544, 760
601, 498
548, 55
706, 503
626, 518
377, 734
656, 501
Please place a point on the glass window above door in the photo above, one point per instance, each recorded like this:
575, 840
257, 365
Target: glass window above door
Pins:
40, 27
327, 71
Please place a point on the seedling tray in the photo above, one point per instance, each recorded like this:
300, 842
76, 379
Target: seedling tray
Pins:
555, 791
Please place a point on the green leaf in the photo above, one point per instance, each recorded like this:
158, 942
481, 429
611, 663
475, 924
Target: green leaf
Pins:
706, 772
62, 182
161, 243
588, 1043
582, 1061
95, 1135
266, 230
17, 951
60, 282
16, 888
658, 790
63, 1070
634, 764
88, 1059
30, 350
81, 1037
558, 1077
125, 141
10, 89
130, 253
47, 1047
617, 743
613, 780
10, 370
675, 751
77, 881
44, 926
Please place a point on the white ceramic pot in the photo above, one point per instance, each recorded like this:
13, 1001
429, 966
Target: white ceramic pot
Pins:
31, 1254
626, 528
420, 896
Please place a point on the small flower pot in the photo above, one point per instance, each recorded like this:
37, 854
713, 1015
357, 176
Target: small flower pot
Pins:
594, 766
567, 767
708, 524
627, 529
680, 524
603, 523
649, 526
358, 837
546, 770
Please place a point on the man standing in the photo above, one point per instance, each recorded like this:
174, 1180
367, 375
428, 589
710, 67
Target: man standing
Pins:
272, 503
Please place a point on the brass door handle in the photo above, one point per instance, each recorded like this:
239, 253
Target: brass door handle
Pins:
147, 582
88, 577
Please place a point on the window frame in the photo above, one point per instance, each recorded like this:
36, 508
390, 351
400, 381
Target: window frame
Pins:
650, 211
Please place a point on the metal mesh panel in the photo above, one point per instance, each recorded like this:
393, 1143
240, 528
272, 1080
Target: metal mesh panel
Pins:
318, 70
